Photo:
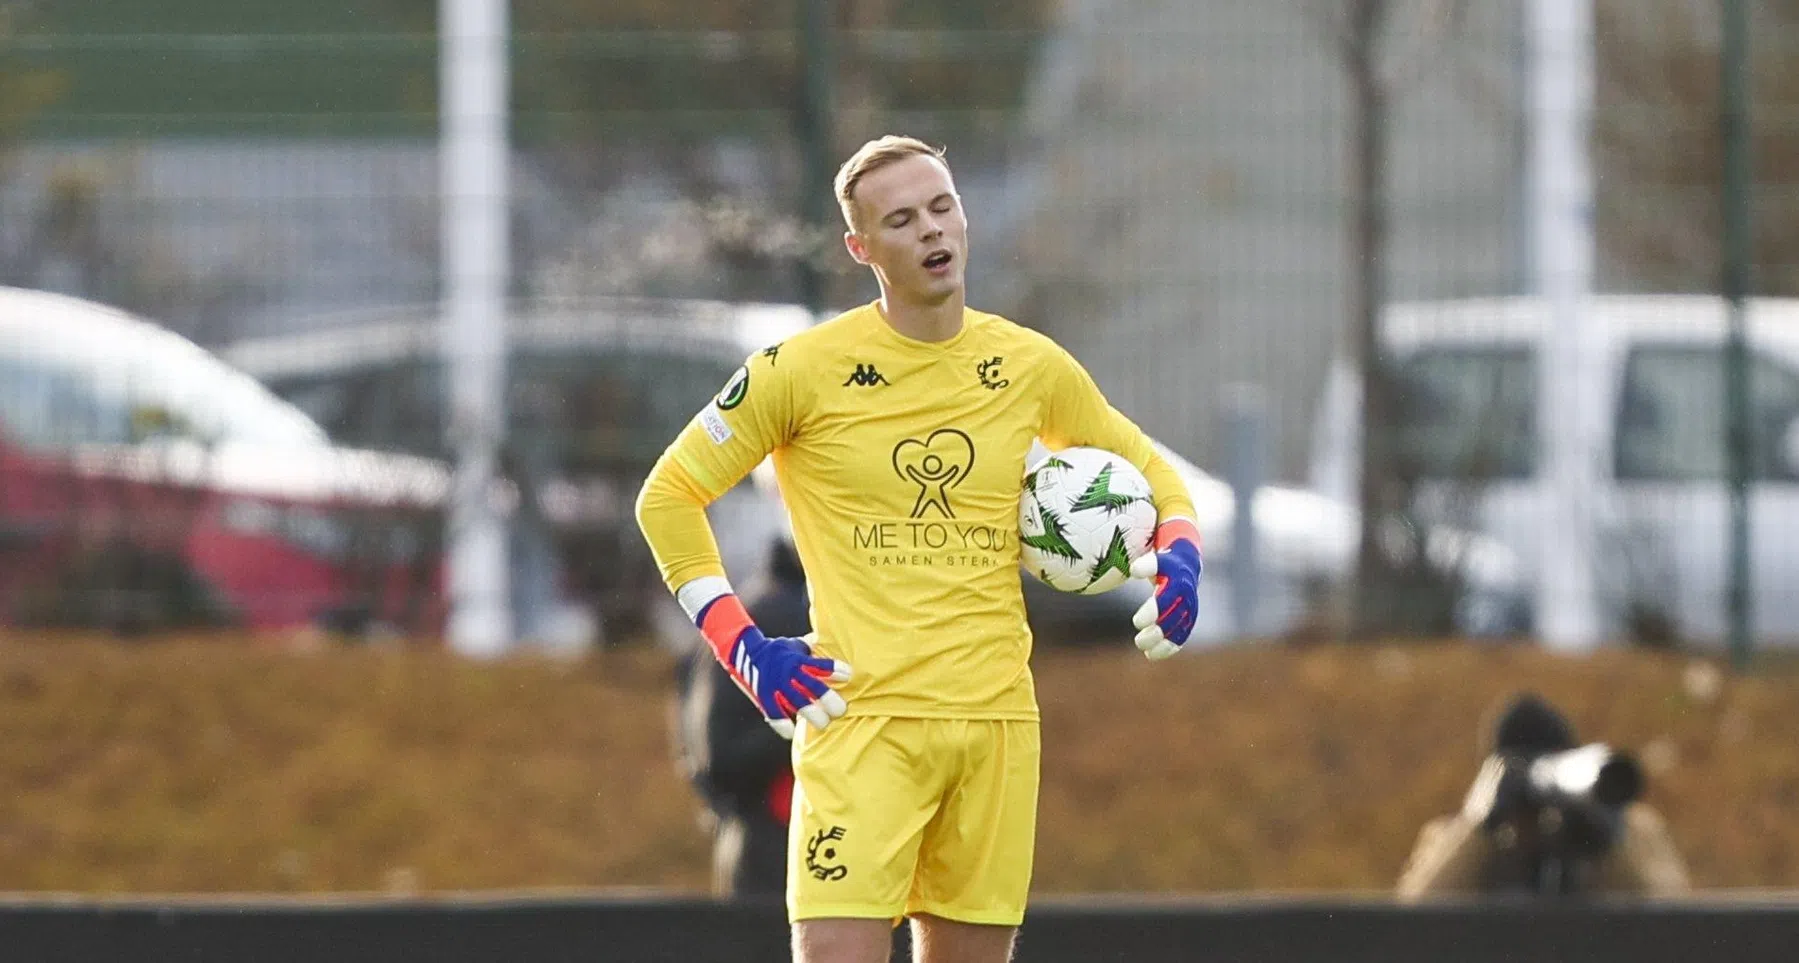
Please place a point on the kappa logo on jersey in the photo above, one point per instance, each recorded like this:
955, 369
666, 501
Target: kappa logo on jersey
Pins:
936, 465
821, 856
772, 352
988, 372
737, 389
866, 376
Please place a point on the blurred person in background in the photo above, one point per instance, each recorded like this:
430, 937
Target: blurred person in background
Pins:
899, 432
1547, 817
737, 764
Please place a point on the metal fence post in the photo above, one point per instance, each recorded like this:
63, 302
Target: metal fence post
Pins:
1246, 441
475, 267
818, 67
1737, 267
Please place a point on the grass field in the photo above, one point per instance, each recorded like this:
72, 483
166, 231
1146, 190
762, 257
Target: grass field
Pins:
214, 766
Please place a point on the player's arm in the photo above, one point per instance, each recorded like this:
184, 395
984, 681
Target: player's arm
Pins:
713, 453
1079, 414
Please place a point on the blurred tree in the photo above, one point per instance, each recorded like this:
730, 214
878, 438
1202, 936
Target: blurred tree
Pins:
78, 236
681, 124
25, 89
1659, 151
1383, 46
81, 226
222, 67
719, 66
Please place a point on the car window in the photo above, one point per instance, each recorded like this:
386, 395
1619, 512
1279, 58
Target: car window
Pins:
1671, 423
177, 388
115, 381
1467, 412
45, 406
585, 411
617, 410
396, 407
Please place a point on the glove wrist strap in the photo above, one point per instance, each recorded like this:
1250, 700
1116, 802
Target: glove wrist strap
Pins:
718, 612
1174, 529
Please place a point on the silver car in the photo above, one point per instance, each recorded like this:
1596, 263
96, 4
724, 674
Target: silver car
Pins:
1306, 550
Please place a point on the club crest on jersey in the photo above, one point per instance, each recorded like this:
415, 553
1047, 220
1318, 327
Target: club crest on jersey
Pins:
988, 372
737, 389
937, 464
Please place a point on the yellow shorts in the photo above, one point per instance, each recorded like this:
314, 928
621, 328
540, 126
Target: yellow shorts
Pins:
896, 816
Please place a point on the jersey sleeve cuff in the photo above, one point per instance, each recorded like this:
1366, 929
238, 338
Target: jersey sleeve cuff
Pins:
698, 593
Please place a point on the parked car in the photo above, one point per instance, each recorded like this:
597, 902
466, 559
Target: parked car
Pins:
1306, 550
145, 485
596, 390
1467, 374
1306, 553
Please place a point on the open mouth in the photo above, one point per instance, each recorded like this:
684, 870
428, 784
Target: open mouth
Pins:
937, 259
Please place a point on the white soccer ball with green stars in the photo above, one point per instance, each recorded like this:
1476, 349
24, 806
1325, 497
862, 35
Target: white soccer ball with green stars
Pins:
1085, 515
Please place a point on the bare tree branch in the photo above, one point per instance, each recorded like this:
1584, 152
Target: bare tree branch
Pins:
1332, 19
1657, 151
1431, 29
1358, 30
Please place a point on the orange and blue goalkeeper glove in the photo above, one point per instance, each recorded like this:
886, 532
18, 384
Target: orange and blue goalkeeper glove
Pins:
781, 675
1166, 618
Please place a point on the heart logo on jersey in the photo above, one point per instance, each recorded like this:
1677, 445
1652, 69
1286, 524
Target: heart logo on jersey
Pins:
937, 464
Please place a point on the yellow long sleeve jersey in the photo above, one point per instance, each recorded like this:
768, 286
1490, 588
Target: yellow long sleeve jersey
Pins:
901, 463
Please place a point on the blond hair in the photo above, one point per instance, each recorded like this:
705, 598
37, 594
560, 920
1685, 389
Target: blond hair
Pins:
871, 157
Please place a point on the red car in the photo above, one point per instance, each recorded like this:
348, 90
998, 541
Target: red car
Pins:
146, 485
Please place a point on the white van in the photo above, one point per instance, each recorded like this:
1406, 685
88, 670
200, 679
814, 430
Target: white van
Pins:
1467, 374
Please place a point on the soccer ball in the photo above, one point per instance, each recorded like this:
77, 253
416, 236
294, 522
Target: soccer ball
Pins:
1085, 516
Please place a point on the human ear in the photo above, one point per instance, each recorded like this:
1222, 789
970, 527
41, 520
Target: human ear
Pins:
853, 243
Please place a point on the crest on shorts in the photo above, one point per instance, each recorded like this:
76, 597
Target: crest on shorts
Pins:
821, 855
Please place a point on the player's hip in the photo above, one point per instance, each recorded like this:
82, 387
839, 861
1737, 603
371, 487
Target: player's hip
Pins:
900, 671
911, 763
924, 731
948, 697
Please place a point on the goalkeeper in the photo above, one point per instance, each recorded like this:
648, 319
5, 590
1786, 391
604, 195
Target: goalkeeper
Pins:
899, 432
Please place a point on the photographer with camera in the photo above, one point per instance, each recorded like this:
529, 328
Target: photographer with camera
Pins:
1547, 817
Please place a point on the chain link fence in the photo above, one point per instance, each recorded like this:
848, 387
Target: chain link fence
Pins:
1166, 187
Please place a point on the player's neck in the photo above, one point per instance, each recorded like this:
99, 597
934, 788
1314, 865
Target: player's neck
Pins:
924, 322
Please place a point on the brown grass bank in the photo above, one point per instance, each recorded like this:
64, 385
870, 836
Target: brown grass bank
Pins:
213, 766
